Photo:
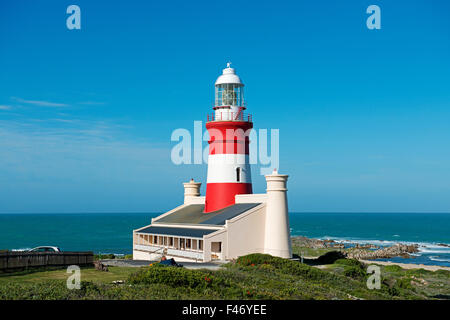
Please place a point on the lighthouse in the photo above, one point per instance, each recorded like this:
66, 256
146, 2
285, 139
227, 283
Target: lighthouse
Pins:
229, 128
230, 221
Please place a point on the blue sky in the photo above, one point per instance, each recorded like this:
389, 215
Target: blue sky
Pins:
86, 115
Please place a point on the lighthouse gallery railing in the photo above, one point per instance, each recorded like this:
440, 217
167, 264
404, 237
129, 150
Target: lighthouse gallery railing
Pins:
229, 116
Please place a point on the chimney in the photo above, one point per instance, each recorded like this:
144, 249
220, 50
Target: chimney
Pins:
191, 190
277, 238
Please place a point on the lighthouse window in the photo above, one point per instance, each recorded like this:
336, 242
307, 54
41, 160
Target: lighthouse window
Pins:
238, 174
228, 94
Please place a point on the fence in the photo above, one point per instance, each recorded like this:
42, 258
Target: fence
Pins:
22, 260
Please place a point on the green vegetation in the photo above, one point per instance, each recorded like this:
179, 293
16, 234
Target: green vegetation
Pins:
255, 276
87, 274
310, 252
101, 256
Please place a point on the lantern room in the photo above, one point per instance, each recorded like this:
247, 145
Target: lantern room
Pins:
229, 96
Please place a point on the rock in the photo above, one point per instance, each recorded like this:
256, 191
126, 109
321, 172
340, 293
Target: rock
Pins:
118, 282
301, 241
100, 266
396, 250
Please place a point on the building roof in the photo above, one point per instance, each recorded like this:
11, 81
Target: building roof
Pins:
193, 214
183, 232
229, 76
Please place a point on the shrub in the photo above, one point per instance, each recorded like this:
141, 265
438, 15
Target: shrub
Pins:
88, 287
349, 262
445, 273
417, 272
354, 272
404, 283
330, 257
174, 277
101, 256
393, 268
284, 266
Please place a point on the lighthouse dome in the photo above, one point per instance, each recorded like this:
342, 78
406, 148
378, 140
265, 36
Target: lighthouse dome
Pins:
229, 76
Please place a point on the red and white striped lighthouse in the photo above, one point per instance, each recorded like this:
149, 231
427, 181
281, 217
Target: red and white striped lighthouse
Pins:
228, 127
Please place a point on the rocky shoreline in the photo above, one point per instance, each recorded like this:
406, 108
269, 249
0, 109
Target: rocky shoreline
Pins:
397, 250
357, 250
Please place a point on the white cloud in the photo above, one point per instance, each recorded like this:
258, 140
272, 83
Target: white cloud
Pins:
40, 103
92, 146
3, 107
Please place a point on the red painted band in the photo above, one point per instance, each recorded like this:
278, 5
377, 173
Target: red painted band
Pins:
221, 195
229, 147
229, 137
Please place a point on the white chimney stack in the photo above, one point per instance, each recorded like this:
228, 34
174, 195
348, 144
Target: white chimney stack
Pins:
191, 190
277, 239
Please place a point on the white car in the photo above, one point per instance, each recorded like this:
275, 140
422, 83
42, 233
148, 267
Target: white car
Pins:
45, 249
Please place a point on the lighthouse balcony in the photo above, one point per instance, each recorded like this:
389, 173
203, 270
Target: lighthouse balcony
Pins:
229, 116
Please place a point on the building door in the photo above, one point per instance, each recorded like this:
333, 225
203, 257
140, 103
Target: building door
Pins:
216, 250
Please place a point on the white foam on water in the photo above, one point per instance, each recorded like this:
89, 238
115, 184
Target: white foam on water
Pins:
438, 259
434, 251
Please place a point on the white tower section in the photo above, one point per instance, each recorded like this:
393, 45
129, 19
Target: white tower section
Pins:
229, 95
277, 239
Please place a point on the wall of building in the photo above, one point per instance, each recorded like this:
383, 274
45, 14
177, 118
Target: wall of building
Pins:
218, 236
246, 233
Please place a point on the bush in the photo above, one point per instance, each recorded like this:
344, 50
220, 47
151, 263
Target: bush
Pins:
417, 272
349, 262
445, 273
88, 287
101, 256
330, 257
393, 268
284, 266
177, 277
404, 283
354, 272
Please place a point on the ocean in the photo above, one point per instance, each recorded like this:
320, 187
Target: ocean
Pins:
112, 232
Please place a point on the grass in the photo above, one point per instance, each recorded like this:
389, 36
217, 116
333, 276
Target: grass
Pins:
87, 274
413, 283
255, 276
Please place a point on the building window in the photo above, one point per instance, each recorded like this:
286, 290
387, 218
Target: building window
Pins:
200, 244
238, 174
171, 241
216, 246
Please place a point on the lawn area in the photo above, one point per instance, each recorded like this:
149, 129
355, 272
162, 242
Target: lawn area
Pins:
87, 274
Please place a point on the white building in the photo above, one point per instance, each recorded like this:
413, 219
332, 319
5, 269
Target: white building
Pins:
230, 221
